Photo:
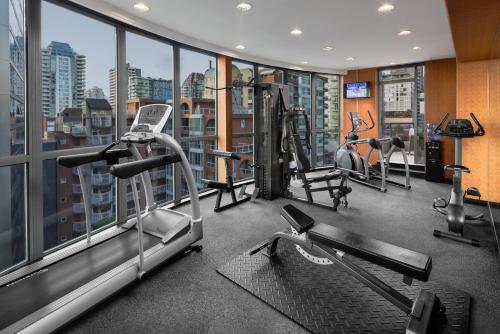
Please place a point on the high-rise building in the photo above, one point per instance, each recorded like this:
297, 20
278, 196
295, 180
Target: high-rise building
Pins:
150, 88
63, 77
132, 71
140, 87
94, 93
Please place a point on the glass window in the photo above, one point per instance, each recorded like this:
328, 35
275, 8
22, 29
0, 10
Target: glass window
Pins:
299, 91
198, 118
243, 111
150, 77
327, 104
270, 75
13, 223
78, 93
403, 109
78, 106
12, 64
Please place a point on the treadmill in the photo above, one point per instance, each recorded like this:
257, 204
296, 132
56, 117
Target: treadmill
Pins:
43, 296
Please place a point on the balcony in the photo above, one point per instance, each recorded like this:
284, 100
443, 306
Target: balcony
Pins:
98, 216
157, 175
78, 208
210, 129
102, 198
159, 189
102, 121
243, 148
78, 132
77, 189
79, 227
101, 179
102, 139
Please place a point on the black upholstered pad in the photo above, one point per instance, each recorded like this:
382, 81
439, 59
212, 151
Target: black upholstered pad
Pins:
404, 261
298, 219
214, 184
332, 175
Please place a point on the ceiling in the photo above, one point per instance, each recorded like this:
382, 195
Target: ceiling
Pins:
353, 27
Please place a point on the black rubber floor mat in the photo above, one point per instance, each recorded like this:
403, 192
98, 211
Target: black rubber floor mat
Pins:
324, 299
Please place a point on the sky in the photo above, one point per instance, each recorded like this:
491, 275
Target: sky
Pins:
97, 41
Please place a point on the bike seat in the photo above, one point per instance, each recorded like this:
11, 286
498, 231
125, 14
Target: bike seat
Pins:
473, 191
457, 168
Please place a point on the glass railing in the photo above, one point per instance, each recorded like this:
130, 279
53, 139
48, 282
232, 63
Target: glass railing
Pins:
101, 179
102, 198
78, 208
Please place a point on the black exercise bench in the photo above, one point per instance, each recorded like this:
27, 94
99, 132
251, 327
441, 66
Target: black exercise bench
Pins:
228, 186
332, 243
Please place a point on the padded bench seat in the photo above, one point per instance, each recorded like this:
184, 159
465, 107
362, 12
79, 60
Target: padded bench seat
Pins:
404, 261
215, 184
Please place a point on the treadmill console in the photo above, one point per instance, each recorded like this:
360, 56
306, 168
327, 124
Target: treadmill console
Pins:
459, 128
151, 118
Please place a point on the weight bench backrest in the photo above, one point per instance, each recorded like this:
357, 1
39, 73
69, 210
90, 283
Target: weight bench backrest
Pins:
303, 163
298, 219
401, 260
225, 154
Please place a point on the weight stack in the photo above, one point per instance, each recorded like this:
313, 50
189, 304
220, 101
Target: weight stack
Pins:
434, 169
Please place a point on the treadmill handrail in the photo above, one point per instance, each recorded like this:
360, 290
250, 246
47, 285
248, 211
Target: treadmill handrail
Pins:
128, 169
110, 156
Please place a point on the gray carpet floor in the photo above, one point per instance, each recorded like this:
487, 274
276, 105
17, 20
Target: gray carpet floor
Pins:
188, 296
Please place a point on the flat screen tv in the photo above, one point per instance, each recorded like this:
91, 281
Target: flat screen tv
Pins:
356, 90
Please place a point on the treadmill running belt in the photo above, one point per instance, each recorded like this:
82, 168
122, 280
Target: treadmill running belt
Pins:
27, 295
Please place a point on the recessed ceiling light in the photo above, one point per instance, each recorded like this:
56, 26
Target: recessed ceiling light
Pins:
240, 47
417, 48
349, 59
327, 48
296, 68
305, 62
296, 32
244, 6
385, 8
392, 63
404, 32
141, 6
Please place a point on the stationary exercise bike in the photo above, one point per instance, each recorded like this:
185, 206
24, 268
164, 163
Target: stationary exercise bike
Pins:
348, 156
454, 207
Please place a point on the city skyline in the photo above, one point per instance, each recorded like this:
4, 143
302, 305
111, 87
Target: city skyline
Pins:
153, 57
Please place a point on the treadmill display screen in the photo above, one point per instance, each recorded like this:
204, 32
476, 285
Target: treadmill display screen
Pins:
355, 90
151, 118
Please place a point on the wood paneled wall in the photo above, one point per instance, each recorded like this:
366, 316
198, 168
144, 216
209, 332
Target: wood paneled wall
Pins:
478, 91
440, 98
475, 26
362, 105
224, 111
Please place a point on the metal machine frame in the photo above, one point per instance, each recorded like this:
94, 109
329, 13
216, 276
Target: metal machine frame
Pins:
348, 157
454, 208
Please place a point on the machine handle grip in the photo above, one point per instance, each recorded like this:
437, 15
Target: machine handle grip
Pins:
438, 128
226, 154
480, 129
111, 156
129, 169
308, 130
371, 120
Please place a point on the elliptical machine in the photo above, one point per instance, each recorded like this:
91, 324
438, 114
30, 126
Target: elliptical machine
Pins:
454, 207
348, 156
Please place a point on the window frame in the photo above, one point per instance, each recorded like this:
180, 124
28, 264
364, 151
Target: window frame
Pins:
34, 156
